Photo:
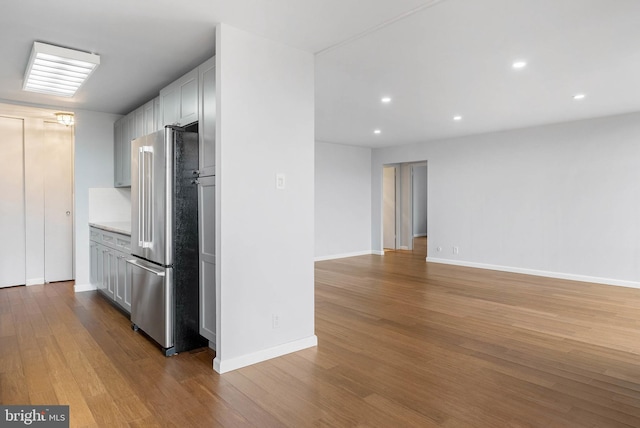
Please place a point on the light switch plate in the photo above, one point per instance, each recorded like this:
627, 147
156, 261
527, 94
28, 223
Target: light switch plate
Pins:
280, 181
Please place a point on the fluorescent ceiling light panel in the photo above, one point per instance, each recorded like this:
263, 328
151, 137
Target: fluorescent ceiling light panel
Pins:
58, 71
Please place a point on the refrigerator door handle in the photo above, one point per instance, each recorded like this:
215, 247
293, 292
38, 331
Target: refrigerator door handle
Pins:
145, 203
141, 213
153, 271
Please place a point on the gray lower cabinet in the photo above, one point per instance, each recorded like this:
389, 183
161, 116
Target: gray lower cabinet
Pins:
109, 272
122, 288
207, 226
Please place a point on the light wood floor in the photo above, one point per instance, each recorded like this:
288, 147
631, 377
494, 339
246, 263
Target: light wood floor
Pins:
402, 342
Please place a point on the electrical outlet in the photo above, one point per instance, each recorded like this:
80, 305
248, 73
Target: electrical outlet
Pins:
456, 250
439, 249
275, 321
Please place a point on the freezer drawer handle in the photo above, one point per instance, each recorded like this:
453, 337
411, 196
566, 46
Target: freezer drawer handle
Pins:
155, 272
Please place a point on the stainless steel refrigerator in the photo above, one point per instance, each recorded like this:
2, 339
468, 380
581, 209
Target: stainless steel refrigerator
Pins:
164, 234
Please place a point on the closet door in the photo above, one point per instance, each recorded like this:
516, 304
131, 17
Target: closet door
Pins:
12, 204
58, 203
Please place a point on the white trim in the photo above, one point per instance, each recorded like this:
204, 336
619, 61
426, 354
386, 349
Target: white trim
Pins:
403, 247
263, 355
78, 288
558, 275
377, 252
343, 255
35, 281
378, 27
419, 235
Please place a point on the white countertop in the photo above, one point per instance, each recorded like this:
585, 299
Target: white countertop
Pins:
123, 227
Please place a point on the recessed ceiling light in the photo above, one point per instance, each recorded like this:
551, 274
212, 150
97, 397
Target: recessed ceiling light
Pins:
579, 96
58, 71
377, 131
386, 99
457, 118
519, 64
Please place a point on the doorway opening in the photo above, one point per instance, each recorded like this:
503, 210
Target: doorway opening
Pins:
404, 211
37, 213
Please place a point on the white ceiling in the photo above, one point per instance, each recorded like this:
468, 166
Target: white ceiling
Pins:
435, 58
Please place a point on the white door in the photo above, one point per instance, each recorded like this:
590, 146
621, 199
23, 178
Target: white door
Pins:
12, 208
58, 203
389, 207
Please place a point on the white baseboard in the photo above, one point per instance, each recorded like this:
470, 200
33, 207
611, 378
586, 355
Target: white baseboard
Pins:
419, 235
403, 247
343, 255
35, 281
78, 288
548, 274
266, 354
377, 252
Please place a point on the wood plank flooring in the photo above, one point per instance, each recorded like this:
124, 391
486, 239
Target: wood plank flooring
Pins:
402, 342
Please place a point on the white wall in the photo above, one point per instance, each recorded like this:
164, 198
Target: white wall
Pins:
419, 191
93, 168
342, 201
404, 213
560, 200
265, 253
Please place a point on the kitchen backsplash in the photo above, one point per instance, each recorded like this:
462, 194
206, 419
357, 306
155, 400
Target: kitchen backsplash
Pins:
109, 204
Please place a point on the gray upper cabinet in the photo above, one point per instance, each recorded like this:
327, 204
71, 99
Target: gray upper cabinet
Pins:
207, 123
119, 130
157, 117
141, 121
121, 146
124, 129
179, 101
149, 121
139, 127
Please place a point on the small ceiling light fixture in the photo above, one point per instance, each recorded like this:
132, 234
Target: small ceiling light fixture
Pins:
58, 71
457, 118
377, 131
386, 99
519, 64
66, 119
579, 96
